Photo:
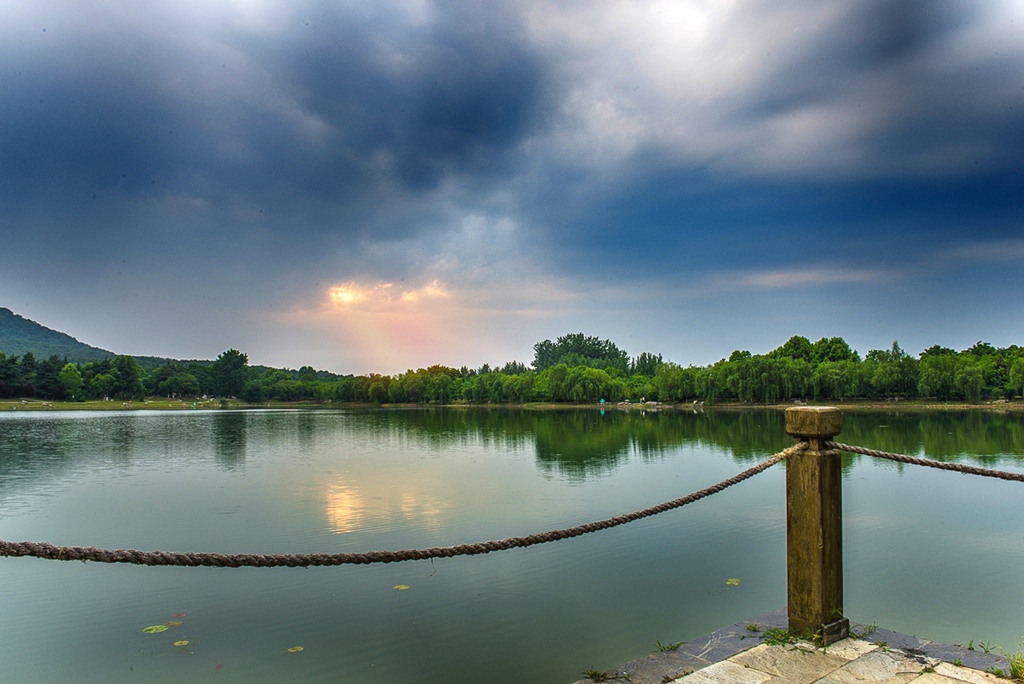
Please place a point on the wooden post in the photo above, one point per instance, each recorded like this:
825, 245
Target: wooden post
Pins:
814, 527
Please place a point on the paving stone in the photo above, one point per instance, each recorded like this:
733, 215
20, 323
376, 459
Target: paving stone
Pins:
840, 677
911, 661
653, 669
723, 643
736, 655
895, 639
979, 660
851, 648
727, 642
878, 666
966, 675
727, 672
936, 678
799, 665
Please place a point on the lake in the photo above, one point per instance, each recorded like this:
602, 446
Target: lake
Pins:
931, 553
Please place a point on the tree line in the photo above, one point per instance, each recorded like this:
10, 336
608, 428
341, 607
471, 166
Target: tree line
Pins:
572, 369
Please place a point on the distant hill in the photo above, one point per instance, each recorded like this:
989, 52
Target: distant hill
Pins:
19, 335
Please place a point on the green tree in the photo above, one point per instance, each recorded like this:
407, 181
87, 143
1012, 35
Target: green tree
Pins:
577, 349
378, 393
521, 386
27, 374
101, 386
9, 375
551, 384
396, 390
938, 369
128, 378
969, 379
230, 373
71, 378
252, 392
181, 384
513, 368
47, 381
796, 347
895, 372
796, 375
645, 364
586, 385
1017, 377
832, 349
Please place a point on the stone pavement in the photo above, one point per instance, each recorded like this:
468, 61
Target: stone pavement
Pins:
738, 655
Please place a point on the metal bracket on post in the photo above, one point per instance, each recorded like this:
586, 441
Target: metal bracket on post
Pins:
814, 527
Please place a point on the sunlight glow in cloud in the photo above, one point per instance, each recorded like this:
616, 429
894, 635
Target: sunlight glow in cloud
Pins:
384, 293
390, 327
433, 289
346, 294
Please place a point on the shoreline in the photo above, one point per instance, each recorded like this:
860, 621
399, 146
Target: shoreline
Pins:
164, 404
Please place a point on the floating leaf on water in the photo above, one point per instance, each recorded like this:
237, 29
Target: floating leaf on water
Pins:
173, 623
295, 649
154, 629
401, 587
732, 581
179, 615
183, 642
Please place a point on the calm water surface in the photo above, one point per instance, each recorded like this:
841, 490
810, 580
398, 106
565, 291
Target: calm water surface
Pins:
927, 552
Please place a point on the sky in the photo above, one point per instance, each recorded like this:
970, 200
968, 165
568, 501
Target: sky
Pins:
375, 187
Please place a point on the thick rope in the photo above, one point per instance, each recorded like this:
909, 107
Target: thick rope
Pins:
941, 465
83, 553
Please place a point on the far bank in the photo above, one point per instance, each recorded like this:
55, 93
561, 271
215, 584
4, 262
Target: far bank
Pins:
164, 403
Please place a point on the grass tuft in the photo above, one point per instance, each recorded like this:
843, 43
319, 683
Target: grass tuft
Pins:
1016, 661
867, 630
776, 636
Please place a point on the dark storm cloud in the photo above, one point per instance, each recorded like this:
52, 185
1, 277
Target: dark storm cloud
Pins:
172, 166
905, 129
449, 100
330, 122
676, 223
931, 97
879, 35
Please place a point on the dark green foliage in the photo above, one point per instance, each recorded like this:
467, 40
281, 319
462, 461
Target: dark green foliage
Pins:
573, 369
19, 336
71, 380
180, 385
514, 368
645, 364
832, 349
47, 381
796, 347
576, 349
127, 377
230, 373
